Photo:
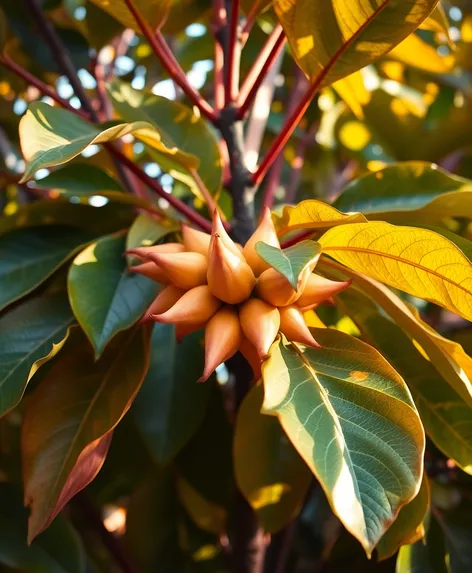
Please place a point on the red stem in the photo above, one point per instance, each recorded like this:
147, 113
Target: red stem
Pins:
289, 126
273, 46
297, 238
219, 21
162, 51
181, 207
232, 68
250, 19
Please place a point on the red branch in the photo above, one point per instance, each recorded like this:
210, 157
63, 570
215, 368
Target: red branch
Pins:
296, 239
232, 68
252, 83
167, 59
289, 126
180, 206
219, 21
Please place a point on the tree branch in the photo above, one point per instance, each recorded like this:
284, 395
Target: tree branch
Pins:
167, 59
219, 20
233, 55
269, 54
287, 130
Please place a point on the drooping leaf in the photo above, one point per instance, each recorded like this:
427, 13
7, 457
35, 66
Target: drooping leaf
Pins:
408, 527
105, 297
79, 178
58, 550
417, 261
437, 21
331, 39
312, 214
414, 189
52, 136
292, 261
171, 405
350, 416
29, 256
30, 335
447, 418
448, 357
353, 91
154, 12
415, 52
269, 471
187, 141
78, 403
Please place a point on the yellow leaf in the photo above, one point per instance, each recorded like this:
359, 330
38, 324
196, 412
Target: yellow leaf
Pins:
417, 261
331, 39
419, 54
312, 214
353, 91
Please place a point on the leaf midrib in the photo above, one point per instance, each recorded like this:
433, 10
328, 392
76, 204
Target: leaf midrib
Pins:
399, 260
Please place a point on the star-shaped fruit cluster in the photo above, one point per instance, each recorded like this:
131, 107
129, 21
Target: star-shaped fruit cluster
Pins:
212, 282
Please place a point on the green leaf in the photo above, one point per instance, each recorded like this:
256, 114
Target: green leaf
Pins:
417, 261
408, 526
146, 231
350, 416
312, 214
418, 190
52, 136
46, 321
446, 417
72, 412
154, 12
105, 297
331, 39
29, 256
292, 261
171, 405
79, 178
269, 471
187, 140
426, 556
447, 356
58, 550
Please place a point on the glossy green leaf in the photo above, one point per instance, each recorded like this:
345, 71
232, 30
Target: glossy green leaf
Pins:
312, 214
415, 189
52, 136
269, 471
331, 39
187, 141
106, 298
447, 418
408, 527
350, 416
417, 261
29, 336
29, 256
292, 261
79, 178
72, 411
58, 550
154, 12
147, 230
448, 357
171, 405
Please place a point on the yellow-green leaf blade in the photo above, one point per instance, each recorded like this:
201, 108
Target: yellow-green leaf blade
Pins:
350, 416
52, 136
331, 39
312, 214
417, 261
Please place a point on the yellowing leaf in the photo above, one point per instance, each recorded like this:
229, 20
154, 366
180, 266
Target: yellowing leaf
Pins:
312, 214
350, 416
52, 136
353, 91
332, 39
438, 22
417, 261
154, 12
417, 53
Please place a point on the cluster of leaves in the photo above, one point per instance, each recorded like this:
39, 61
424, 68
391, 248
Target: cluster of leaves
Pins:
380, 415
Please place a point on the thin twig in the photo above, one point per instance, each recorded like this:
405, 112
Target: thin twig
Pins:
264, 61
167, 59
233, 55
250, 20
298, 163
211, 204
218, 27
